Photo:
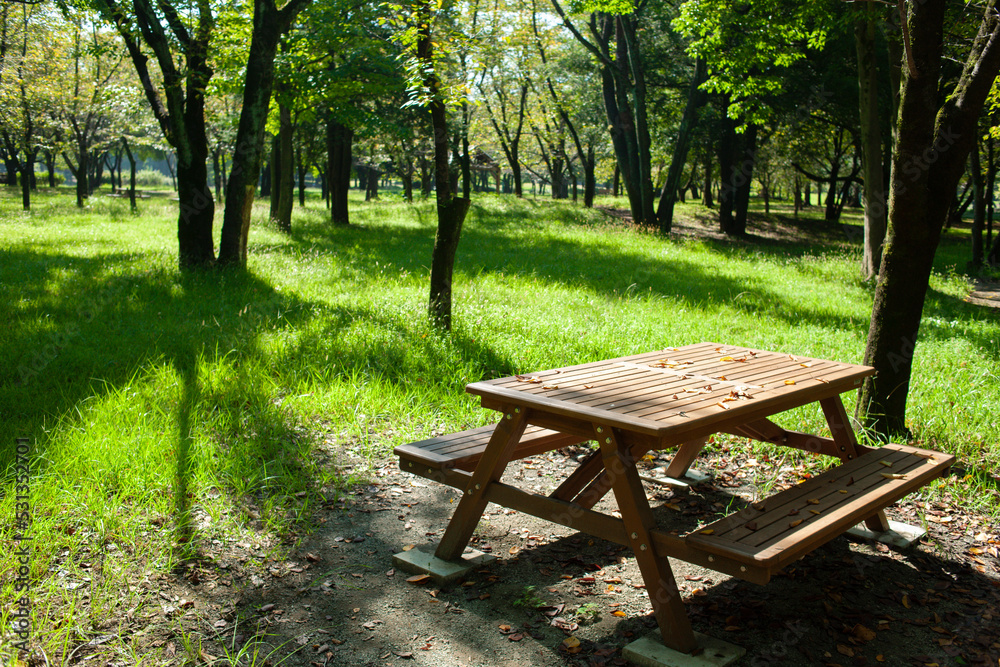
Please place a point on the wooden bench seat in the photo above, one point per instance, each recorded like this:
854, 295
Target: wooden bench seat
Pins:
463, 450
790, 524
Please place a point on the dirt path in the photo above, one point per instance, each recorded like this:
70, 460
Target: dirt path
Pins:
338, 601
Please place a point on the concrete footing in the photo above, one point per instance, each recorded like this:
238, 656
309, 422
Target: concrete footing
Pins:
443, 572
899, 535
650, 652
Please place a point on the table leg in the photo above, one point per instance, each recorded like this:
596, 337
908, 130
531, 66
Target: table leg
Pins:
490, 468
843, 436
684, 457
580, 478
668, 607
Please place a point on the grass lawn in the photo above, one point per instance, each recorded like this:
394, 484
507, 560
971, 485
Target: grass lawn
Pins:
166, 410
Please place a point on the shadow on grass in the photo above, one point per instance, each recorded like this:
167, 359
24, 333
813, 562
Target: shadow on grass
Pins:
86, 328
501, 242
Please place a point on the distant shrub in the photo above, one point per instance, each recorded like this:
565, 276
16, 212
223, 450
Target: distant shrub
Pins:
149, 178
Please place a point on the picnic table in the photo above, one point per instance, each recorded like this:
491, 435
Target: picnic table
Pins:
673, 399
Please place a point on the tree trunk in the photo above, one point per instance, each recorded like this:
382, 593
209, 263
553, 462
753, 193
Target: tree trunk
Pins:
743, 179
301, 166
338, 147
451, 210
131, 175
275, 178
589, 178
269, 23
286, 169
928, 161
978, 208
706, 188
696, 99
871, 144
727, 175
50, 167
27, 170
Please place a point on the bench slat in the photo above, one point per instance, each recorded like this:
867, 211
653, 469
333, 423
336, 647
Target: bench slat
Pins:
823, 507
463, 450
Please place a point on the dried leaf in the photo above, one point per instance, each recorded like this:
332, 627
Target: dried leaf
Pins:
418, 579
532, 380
588, 386
813, 501
815, 511
722, 405
806, 364
789, 381
707, 531
619, 613
863, 633
513, 551
751, 525
891, 475
794, 523
571, 645
553, 386
727, 358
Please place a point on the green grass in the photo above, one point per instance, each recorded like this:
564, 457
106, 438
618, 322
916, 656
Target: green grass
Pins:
165, 410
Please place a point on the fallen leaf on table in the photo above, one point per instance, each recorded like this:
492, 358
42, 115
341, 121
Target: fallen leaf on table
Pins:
751, 525
794, 523
806, 365
813, 501
722, 405
588, 386
727, 358
891, 475
707, 531
533, 380
789, 381
554, 386
887, 464
815, 511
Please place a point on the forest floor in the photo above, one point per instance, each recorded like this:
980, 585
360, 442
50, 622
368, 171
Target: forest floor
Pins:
336, 599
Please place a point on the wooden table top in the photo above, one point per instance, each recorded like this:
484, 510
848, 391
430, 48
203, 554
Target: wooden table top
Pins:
677, 391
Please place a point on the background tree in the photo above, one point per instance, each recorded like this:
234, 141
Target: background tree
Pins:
937, 129
179, 40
